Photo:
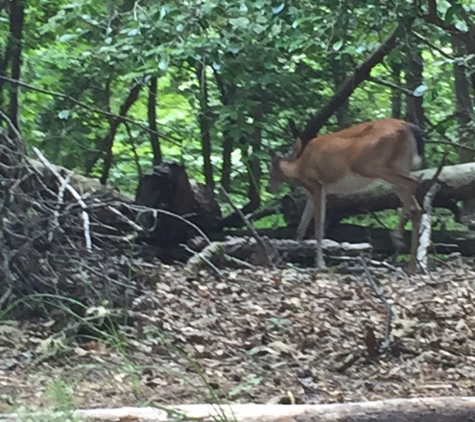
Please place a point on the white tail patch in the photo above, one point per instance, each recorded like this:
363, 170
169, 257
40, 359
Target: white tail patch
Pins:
416, 162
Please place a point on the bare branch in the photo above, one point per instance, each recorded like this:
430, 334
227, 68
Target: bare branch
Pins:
88, 107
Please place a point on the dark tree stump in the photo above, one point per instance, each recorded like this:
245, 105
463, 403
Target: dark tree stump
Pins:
168, 188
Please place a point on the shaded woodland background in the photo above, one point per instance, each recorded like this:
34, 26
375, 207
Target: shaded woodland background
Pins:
198, 91
110, 89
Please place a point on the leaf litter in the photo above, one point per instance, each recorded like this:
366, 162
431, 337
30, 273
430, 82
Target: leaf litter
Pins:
264, 336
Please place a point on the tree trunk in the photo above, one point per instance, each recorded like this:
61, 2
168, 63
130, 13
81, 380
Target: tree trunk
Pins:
464, 109
227, 92
339, 75
5, 59
414, 67
464, 105
13, 54
152, 121
205, 125
108, 141
254, 169
340, 64
228, 146
396, 98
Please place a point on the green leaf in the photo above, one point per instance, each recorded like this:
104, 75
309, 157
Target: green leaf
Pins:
337, 45
258, 29
164, 62
67, 37
243, 8
108, 40
64, 114
419, 91
261, 18
452, 11
276, 29
133, 32
240, 23
278, 9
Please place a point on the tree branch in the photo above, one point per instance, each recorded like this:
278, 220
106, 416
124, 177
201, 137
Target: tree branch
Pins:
432, 17
390, 85
346, 89
88, 107
109, 138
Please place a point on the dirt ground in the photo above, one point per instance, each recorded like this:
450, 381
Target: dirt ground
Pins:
261, 336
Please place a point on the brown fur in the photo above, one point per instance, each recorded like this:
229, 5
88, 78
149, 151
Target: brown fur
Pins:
349, 160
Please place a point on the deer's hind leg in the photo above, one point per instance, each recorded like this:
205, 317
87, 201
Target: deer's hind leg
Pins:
406, 188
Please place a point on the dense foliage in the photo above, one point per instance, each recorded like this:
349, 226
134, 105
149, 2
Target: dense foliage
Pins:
211, 83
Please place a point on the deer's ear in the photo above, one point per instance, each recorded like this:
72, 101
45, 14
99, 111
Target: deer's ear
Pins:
272, 153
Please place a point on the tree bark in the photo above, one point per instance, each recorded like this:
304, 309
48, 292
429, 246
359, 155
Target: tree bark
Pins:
254, 170
108, 141
464, 109
227, 92
468, 38
396, 98
414, 78
339, 76
5, 59
152, 121
13, 54
205, 125
464, 105
110, 136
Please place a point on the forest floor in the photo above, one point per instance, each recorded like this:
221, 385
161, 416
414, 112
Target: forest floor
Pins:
257, 336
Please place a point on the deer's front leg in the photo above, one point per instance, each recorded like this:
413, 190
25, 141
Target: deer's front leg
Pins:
307, 215
319, 201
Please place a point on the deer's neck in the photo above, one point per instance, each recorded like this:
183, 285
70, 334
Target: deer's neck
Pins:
290, 169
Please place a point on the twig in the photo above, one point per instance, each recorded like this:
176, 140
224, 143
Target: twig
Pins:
123, 217
452, 144
85, 215
134, 150
432, 45
193, 262
270, 254
155, 211
18, 144
390, 85
88, 107
383, 299
372, 262
61, 191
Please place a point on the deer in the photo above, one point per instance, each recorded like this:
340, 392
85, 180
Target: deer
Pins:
347, 161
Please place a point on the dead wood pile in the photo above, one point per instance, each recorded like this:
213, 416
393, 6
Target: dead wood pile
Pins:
58, 245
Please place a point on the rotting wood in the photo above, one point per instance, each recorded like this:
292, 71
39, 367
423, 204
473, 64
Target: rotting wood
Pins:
433, 409
247, 250
444, 242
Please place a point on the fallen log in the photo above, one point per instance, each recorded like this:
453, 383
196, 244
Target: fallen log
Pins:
248, 250
456, 183
443, 242
428, 409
